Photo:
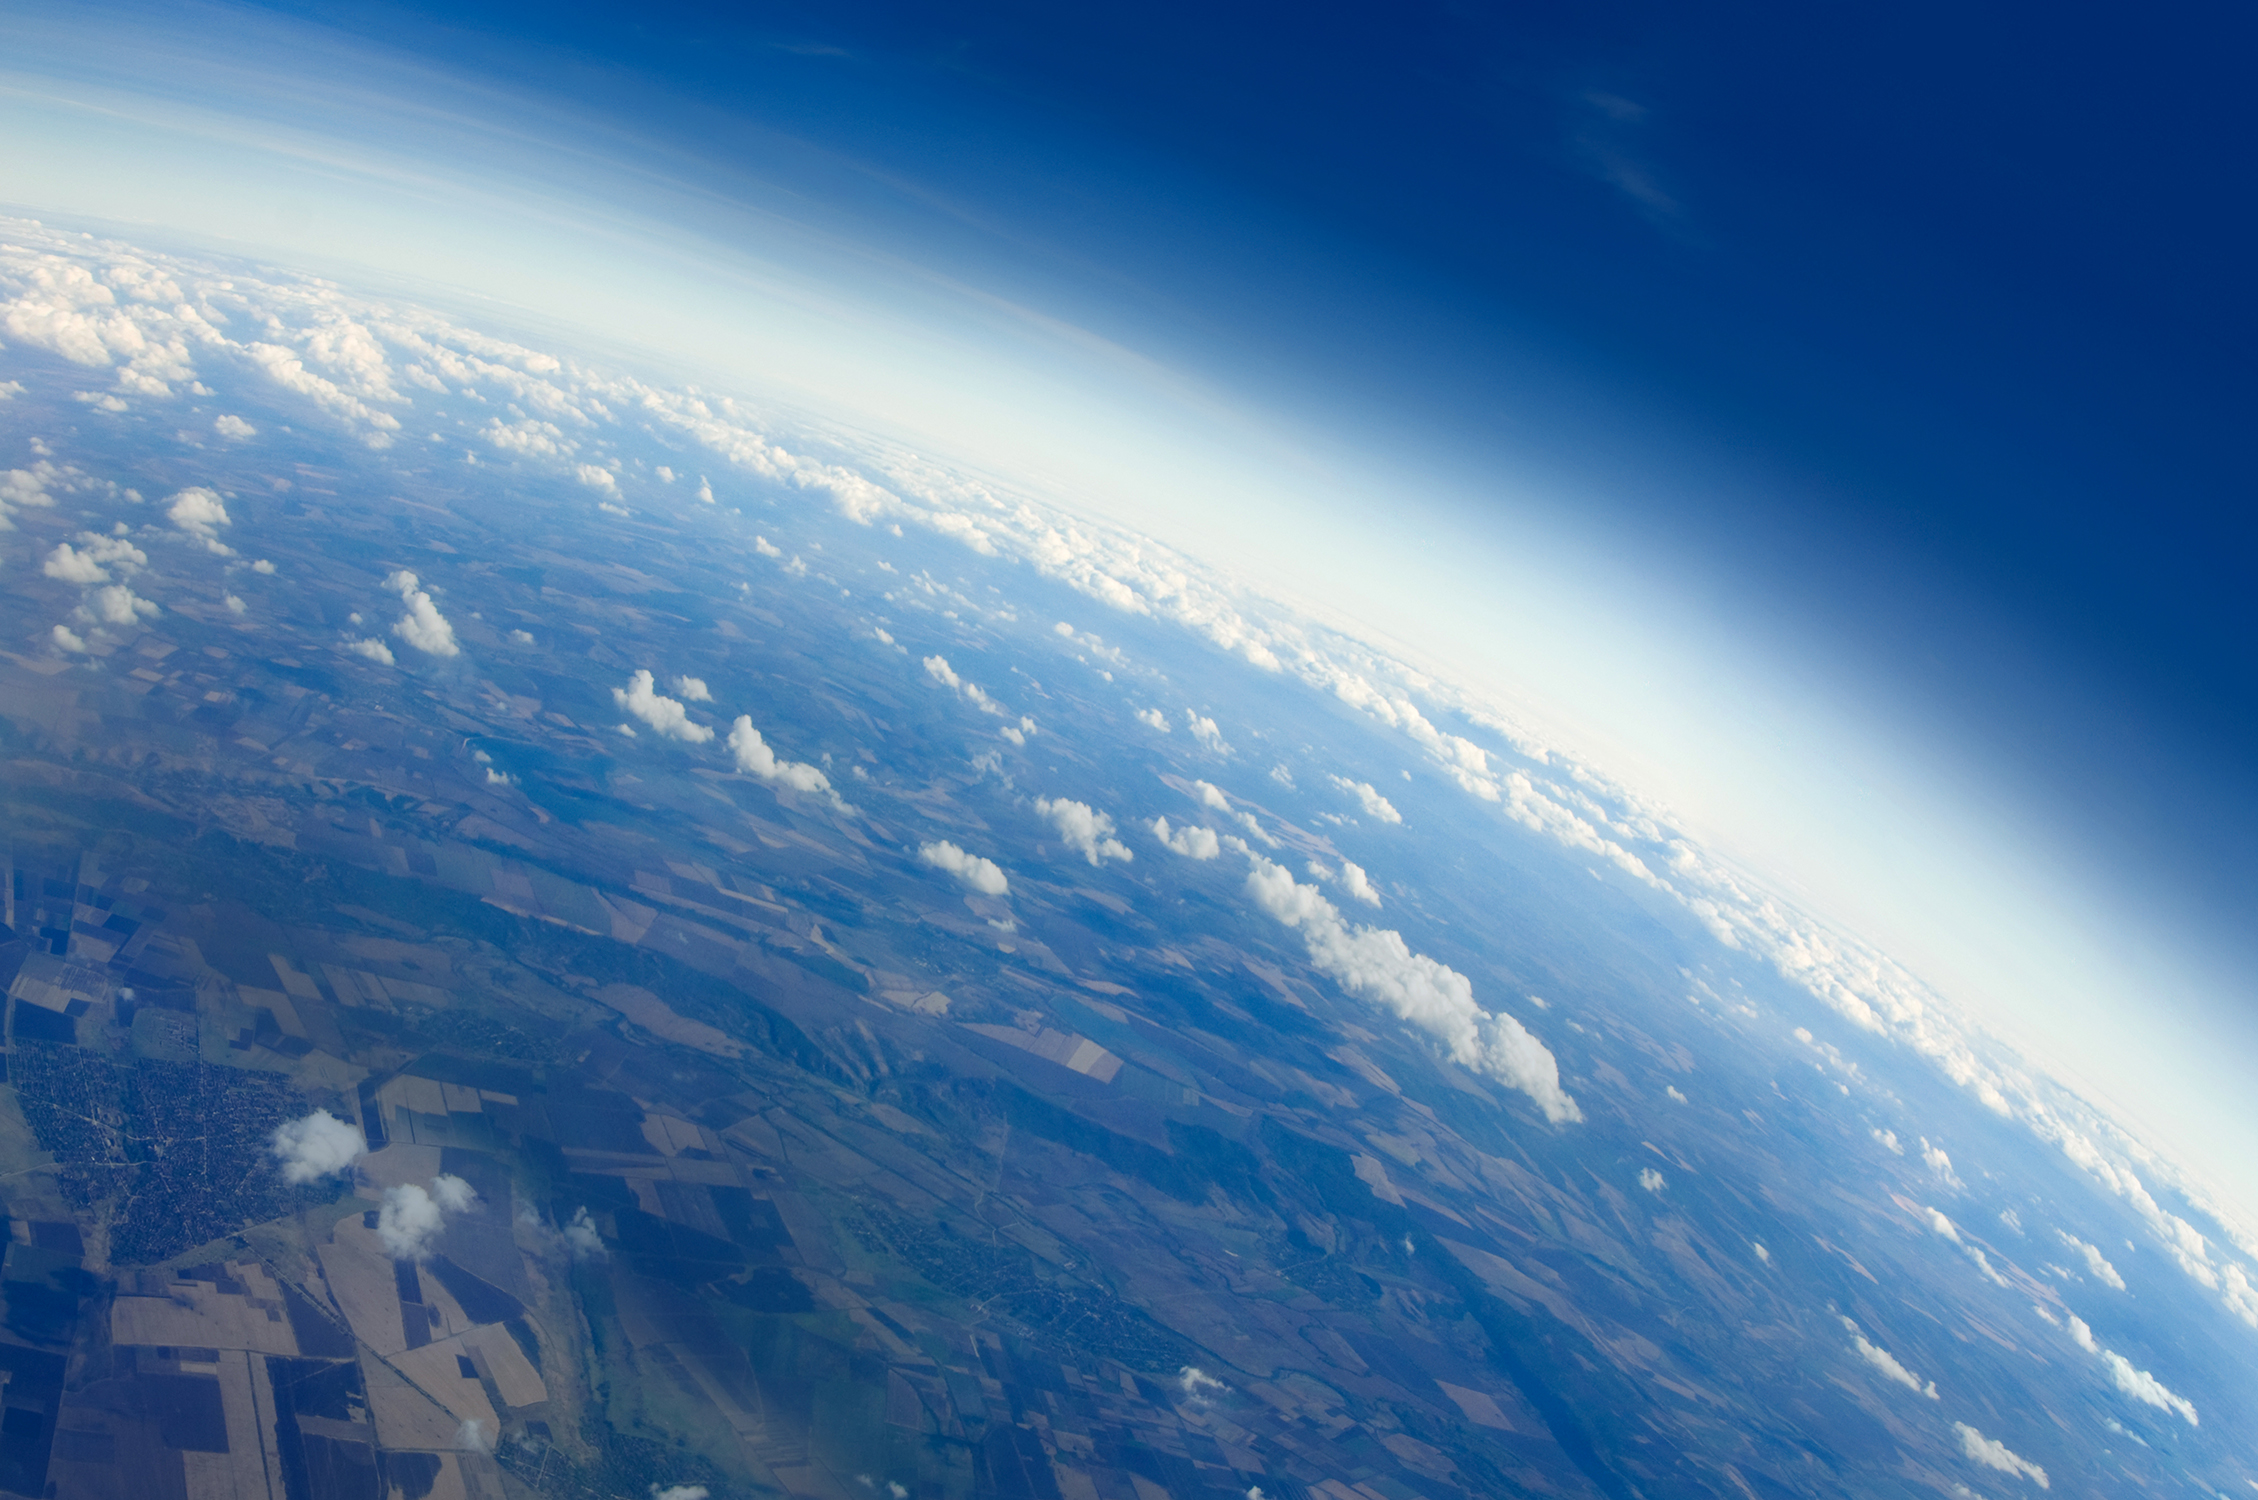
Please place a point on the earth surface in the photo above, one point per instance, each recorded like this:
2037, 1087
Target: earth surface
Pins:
572, 935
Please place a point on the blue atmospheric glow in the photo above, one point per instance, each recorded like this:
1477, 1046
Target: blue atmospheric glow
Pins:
1837, 420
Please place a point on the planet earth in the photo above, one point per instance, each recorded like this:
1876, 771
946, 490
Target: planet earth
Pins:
575, 935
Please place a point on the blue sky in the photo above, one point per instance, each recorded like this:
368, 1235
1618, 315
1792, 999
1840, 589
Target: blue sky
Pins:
1845, 414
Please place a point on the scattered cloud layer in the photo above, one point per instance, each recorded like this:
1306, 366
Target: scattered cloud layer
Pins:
150, 322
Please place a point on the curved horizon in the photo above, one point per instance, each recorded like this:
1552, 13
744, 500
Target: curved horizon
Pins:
2028, 823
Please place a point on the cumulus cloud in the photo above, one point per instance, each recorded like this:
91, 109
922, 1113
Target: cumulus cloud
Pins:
757, 760
1211, 795
23, 487
69, 640
693, 689
1882, 1360
1368, 797
1378, 965
408, 1222
971, 871
234, 427
1357, 883
597, 478
372, 648
116, 604
766, 548
1083, 829
665, 715
1153, 718
938, 668
422, 627
581, 1238
2144, 1387
1650, 1179
92, 559
262, 566
1993, 1454
1762, 1254
692, 1492
315, 1146
472, 1437
1939, 1224
1940, 1164
2134, 1382
1196, 1382
1192, 843
453, 1193
199, 513
1204, 730
2096, 1262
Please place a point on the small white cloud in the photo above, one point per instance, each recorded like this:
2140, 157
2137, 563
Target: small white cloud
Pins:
1153, 718
1283, 775
315, 1146
1204, 730
971, 870
1357, 883
453, 1193
235, 427
693, 689
1196, 1382
72, 566
699, 1492
581, 1238
2082, 1335
522, 637
1762, 1254
1083, 829
372, 648
597, 478
757, 760
472, 1437
1941, 1225
1192, 843
1882, 1360
262, 566
408, 1222
1672, 1092
116, 604
1887, 1139
1940, 1164
1993, 1454
610, 509
1378, 965
235, 604
1650, 1179
766, 548
705, 491
1211, 795
69, 640
666, 475
2144, 1387
2096, 1262
938, 668
422, 627
199, 513
665, 715
499, 778
1368, 797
